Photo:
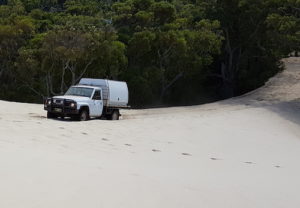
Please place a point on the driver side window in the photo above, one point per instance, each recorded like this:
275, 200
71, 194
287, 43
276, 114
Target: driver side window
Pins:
97, 95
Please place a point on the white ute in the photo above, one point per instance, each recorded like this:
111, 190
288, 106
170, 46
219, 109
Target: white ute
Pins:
90, 98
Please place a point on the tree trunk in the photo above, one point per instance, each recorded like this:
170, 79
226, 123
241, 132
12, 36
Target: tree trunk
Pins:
62, 84
165, 88
1, 72
47, 87
73, 78
49, 78
230, 67
84, 70
2, 69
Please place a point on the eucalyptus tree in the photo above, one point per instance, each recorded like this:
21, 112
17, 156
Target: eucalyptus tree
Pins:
258, 33
164, 44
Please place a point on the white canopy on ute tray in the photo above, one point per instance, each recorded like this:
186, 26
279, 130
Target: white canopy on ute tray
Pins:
115, 93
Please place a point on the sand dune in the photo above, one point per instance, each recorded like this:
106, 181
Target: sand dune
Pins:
241, 152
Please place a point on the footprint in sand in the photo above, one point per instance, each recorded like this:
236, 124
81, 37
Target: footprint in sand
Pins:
155, 150
277, 166
104, 139
214, 158
61, 127
84, 133
249, 162
129, 145
186, 154
64, 146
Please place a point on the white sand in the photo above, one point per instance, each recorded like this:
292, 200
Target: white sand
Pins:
239, 153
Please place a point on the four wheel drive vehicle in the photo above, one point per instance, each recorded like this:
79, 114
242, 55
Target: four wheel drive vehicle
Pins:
90, 98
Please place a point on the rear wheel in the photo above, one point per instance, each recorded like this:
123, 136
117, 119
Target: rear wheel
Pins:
84, 115
74, 118
115, 115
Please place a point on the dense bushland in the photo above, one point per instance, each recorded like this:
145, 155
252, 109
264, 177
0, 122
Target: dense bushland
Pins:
173, 52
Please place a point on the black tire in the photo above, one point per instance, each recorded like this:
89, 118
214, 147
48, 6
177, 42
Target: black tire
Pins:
83, 115
51, 115
74, 118
115, 115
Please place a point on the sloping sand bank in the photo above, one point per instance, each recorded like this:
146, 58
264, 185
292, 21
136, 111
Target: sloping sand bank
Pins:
239, 153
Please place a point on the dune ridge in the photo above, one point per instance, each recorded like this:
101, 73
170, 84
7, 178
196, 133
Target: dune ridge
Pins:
241, 152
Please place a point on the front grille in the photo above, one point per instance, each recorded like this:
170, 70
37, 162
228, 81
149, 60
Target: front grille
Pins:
61, 106
68, 103
56, 106
58, 101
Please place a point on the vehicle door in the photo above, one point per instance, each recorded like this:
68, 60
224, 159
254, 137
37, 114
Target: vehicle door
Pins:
97, 104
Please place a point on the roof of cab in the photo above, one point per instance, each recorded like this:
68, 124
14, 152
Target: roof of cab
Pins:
87, 86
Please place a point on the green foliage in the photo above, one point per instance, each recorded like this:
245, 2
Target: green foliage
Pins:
163, 11
82, 7
169, 52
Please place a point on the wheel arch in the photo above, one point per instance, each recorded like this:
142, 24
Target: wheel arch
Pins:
84, 107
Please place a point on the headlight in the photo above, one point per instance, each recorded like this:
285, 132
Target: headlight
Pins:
49, 102
72, 105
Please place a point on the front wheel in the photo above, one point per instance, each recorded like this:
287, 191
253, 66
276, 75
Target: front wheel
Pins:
51, 115
83, 116
115, 115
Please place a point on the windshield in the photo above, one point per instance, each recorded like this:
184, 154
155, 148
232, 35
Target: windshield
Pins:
80, 91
